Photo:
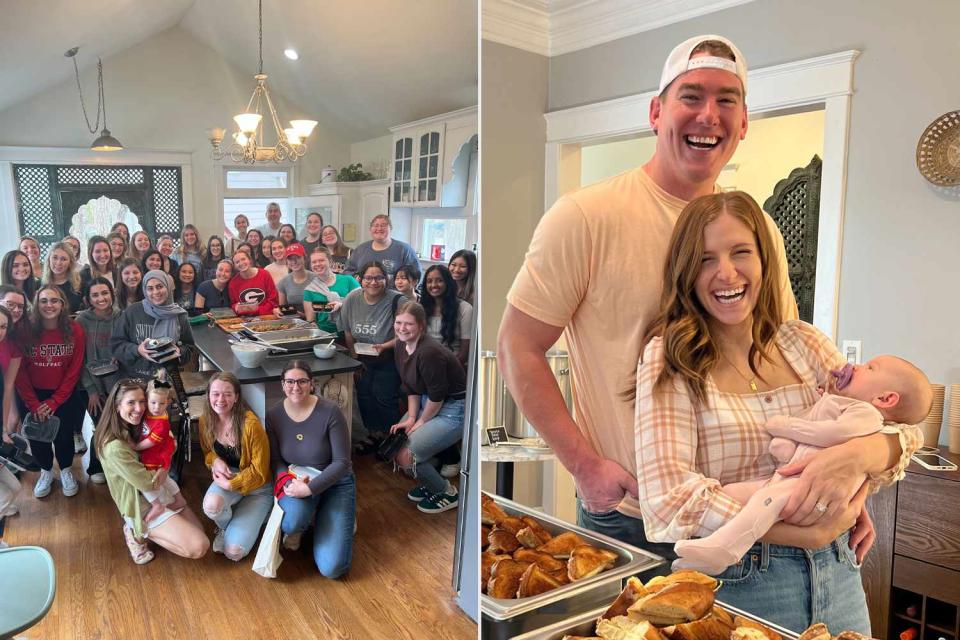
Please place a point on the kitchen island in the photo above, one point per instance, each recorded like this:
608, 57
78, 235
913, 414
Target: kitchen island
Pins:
261, 386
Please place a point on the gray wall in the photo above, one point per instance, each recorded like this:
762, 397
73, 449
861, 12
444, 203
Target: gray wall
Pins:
900, 279
513, 135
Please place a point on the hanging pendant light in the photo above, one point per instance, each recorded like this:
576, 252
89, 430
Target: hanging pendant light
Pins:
106, 142
248, 145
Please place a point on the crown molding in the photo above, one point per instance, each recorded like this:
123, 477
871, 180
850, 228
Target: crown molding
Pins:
523, 24
555, 27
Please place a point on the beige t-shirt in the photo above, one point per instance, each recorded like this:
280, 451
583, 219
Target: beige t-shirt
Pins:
595, 267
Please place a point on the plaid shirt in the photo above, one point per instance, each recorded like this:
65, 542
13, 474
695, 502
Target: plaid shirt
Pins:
685, 453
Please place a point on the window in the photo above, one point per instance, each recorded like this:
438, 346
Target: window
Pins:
240, 179
440, 238
249, 190
255, 209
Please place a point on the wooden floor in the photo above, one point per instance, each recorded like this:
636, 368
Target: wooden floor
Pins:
398, 586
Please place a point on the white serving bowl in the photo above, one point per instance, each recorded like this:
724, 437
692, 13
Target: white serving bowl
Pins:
249, 355
324, 351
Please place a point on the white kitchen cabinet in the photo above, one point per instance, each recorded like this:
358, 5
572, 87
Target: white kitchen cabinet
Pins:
352, 203
425, 171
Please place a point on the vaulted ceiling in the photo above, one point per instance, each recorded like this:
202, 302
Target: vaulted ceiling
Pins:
364, 65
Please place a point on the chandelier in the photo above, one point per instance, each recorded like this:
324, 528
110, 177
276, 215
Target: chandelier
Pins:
248, 145
105, 142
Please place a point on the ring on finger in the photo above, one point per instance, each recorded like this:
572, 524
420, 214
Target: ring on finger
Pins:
820, 507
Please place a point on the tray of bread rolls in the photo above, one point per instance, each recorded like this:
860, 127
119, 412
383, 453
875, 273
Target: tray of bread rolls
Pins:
532, 562
680, 606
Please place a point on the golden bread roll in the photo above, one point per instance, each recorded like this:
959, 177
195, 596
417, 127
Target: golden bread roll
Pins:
535, 581
623, 628
769, 634
673, 604
747, 633
723, 616
658, 582
561, 546
510, 524
561, 575
708, 628
630, 594
529, 538
491, 513
537, 528
546, 562
484, 532
505, 578
487, 560
502, 541
586, 561
816, 631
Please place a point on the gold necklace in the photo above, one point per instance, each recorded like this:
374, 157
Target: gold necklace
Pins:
752, 381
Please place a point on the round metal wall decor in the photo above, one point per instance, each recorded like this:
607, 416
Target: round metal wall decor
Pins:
938, 151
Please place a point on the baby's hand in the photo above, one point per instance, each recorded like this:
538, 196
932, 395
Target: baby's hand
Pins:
777, 423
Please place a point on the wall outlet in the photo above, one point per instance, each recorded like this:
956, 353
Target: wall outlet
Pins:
851, 350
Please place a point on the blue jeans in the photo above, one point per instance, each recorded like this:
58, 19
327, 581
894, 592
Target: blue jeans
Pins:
378, 395
625, 529
795, 588
241, 517
332, 514
436, 434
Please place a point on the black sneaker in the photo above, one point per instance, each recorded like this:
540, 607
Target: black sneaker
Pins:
366, 447
16, 455
439, 502
419, 493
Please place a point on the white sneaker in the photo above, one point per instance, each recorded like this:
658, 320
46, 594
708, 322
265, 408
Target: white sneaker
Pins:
12, 510
68, 483
42, 488
79, 446
291, 541
4, 545
218, 541
98, 478
450, 470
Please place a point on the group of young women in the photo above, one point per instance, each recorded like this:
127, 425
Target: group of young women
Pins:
58, 330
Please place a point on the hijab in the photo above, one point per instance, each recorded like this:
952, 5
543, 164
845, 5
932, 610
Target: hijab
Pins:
166, 315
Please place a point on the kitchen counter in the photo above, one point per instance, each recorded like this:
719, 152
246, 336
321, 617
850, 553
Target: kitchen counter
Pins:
261, 388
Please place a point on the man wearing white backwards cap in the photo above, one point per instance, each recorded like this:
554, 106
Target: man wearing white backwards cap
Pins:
594, 269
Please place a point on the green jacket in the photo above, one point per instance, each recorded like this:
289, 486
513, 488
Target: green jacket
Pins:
126, 478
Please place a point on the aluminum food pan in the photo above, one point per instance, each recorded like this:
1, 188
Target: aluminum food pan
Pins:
630, 561
298, 323
584, 624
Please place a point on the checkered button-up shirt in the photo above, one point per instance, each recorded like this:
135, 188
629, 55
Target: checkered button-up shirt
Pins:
686, 452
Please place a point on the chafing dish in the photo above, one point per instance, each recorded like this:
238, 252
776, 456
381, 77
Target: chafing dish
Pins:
502, 619
301, 338
584, 624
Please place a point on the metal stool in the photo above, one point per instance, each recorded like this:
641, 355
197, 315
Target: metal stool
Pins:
28, 582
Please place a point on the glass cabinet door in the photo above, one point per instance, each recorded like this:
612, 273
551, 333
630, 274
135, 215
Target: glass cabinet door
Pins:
403, 170
428, 177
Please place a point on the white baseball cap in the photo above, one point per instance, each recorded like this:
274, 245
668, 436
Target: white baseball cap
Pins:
679, 62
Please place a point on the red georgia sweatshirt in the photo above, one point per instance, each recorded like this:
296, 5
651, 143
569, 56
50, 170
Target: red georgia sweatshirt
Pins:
51, 365
259, 290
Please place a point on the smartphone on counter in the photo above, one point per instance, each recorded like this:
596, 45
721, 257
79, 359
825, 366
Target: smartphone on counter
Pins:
933, 462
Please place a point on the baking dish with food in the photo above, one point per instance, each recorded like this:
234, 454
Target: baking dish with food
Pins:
301, 338
583, 625
505, 618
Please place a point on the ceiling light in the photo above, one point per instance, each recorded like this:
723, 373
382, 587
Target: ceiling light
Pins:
248, 144
291, 53
105, 142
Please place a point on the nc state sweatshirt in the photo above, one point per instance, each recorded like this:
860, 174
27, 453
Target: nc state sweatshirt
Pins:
51, 365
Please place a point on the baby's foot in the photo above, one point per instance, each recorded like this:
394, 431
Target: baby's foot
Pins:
704, 557
156, 508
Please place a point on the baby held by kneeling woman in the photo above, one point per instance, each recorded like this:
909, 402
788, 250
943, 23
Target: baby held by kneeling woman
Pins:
156, 447
857, 402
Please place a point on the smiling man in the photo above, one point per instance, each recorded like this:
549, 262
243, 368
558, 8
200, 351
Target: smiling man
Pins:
594, 272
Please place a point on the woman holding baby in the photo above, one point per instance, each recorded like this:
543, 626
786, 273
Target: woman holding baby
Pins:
718, 363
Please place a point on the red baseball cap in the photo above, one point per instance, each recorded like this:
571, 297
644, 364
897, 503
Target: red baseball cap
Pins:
295, 249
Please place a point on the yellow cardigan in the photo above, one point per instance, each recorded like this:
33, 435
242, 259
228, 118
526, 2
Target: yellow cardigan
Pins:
254, 455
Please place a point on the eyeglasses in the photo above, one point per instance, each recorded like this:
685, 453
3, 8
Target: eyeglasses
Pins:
299, 382
373, 278
13, 306
380, 227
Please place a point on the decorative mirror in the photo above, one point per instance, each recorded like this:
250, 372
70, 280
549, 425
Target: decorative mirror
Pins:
938, 151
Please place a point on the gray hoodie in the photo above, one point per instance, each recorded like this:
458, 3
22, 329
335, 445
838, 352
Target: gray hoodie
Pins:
98, 331
133, 327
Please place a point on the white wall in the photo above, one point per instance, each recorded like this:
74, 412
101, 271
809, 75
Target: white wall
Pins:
163, 94
373, 151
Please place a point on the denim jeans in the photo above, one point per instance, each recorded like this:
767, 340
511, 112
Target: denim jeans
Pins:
378, 396
625, 529
436, 434
242, 516
332, 514
795, 587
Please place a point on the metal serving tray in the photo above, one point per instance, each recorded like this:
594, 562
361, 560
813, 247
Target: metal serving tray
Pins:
504, 618
301, 339
585, 625
297, 323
